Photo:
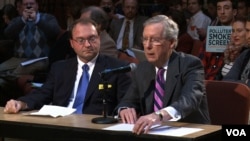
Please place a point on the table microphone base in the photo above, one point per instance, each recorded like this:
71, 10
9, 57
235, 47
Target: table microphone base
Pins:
104, 120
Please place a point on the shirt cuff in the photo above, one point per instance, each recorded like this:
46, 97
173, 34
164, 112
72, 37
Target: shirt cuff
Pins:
173, 113
118, 112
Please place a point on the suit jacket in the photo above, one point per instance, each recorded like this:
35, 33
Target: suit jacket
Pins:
57, 90
116, 25
108, 45
185, 90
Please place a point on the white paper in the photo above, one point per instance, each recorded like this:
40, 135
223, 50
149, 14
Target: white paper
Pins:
53, 111
37, 85
157, 129
32, 61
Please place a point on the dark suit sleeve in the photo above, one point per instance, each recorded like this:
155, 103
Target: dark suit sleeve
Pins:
189, 92
41, 96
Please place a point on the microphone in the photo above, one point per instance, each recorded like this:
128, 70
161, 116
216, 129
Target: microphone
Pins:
130, 67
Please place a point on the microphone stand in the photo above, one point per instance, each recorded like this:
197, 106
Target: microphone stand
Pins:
105, 119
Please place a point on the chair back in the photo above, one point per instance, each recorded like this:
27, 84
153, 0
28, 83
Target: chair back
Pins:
228, 102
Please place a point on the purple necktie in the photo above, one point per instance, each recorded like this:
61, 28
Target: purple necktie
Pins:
159, 90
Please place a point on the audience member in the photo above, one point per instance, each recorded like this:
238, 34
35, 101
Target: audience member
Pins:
198, 20
211, 9
18, 5
127, 31
214, 61
185, 41
240, 71
237, 45
33, 33
62, 84
184, 6
242, 8
8, 13
178, 17
156, 8
109, 7
174, 87
73, 11
108, 45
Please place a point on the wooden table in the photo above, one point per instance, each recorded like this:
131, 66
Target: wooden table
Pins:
80, 127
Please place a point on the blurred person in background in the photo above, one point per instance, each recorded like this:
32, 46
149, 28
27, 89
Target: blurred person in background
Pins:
240, 71
237, 45
242, 8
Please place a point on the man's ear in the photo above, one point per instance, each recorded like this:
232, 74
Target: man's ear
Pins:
71, 42
173, 43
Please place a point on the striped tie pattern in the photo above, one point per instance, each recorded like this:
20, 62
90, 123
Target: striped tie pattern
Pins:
159, 90
125, 40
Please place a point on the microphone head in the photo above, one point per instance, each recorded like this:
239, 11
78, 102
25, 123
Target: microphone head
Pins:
133, 66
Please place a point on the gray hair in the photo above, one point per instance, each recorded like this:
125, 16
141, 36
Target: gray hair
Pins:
170, 30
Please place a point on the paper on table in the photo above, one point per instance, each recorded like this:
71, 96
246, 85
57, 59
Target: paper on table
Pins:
157, 130
53, 111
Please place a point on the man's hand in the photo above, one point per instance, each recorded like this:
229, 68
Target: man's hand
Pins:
128, 115
29, 14
144, 123
14, 106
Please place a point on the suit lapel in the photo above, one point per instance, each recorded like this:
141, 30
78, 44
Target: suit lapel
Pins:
135, 28
70, 76
95, 78
119, 27
148, 84
172, 74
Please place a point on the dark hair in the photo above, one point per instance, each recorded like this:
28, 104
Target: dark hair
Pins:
234, 3
82, 21
98, 15
10, 11
214, 2
137, 1
34, 0
179, 18
200, 2
240, 19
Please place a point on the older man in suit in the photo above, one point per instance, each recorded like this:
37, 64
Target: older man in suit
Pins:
127, 31
173, 88
61, 86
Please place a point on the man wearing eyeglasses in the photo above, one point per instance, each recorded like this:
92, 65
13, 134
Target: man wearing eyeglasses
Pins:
61, 86
168, 86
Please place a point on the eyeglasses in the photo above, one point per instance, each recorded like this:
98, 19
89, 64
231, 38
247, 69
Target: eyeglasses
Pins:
153, 41
81, 41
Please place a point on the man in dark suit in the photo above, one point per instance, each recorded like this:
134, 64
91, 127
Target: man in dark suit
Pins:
181, 85
118, 26
61, 85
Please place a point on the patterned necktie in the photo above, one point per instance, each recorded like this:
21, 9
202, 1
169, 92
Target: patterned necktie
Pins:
159, 90
81, 90
125, 40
